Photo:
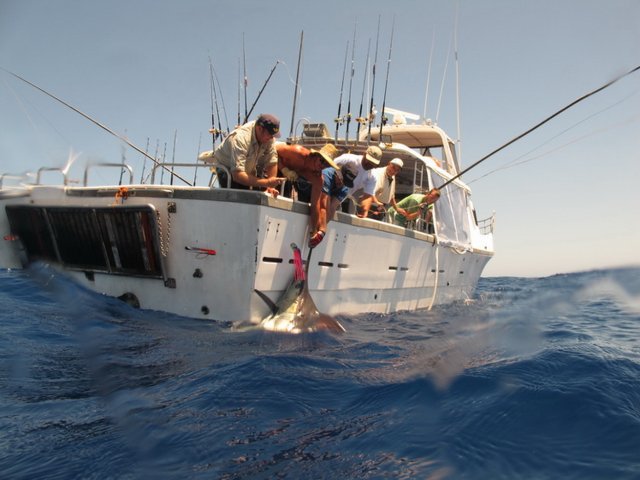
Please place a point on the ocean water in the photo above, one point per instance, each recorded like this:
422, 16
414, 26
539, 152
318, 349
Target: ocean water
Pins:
537, 378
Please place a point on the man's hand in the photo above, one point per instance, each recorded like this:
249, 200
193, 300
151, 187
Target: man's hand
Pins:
272, 191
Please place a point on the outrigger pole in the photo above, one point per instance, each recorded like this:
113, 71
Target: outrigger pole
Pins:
92, 120
538, 125
295, 93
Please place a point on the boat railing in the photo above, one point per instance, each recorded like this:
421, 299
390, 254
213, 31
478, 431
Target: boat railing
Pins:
6, 175
487, 225
213, 166
85, 178
51, 169
214, 175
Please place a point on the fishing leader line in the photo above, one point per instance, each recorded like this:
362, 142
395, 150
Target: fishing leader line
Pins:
538, 125
96, 122
520, 160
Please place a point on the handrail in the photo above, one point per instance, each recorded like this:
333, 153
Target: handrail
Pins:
171, 165
214, 174
487, 225
120, 165
51, 169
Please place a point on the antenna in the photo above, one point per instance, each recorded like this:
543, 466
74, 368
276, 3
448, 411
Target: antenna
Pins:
426, 92
455, 52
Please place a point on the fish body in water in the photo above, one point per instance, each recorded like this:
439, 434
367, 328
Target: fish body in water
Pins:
295, 311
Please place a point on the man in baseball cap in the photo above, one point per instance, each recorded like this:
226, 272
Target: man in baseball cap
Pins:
270, 123
364, 179
249, 155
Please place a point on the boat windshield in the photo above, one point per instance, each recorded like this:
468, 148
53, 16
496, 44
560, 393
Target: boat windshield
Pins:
451, 214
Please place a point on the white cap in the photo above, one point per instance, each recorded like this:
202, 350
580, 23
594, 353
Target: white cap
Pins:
397, 162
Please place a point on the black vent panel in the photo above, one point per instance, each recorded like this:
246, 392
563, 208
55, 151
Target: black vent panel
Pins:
118, 240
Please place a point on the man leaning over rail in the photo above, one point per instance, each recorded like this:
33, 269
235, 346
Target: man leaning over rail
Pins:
250, 155
305, 167
413, 205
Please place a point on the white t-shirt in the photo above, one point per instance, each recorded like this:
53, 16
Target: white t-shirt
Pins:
385, 186
364, 179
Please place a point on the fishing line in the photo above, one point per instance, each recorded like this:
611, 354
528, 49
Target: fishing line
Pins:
517, 161
92, 120
538, 125
25, 111
591, 134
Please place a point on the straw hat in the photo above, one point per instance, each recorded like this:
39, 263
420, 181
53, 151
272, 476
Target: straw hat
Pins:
328, 153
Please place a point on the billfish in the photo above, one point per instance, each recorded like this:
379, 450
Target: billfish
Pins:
295, 311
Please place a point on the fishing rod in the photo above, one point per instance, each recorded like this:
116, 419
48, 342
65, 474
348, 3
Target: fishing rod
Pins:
92, 120
260, 92
383, 120
373, 84
295, 93
344, 69
245, 80
239, 83
195, 170
144, 162
360, 120
353, 59
173, 155
164, 157
538, 125
214, 99
224, 108
123, 155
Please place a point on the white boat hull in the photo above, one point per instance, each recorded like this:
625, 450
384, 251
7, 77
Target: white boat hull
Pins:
361, 266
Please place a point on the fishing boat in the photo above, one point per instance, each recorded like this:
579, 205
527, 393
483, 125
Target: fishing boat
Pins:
215, 253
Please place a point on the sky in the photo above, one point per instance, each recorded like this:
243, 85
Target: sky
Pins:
564, 197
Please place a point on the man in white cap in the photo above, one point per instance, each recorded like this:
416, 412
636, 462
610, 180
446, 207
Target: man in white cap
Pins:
385, 192
364, 164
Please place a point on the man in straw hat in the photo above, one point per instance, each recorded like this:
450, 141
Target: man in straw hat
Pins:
304, 167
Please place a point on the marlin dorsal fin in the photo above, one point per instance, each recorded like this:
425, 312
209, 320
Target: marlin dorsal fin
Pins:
268, 301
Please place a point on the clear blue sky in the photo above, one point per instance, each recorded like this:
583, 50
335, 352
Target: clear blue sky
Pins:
142, 67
